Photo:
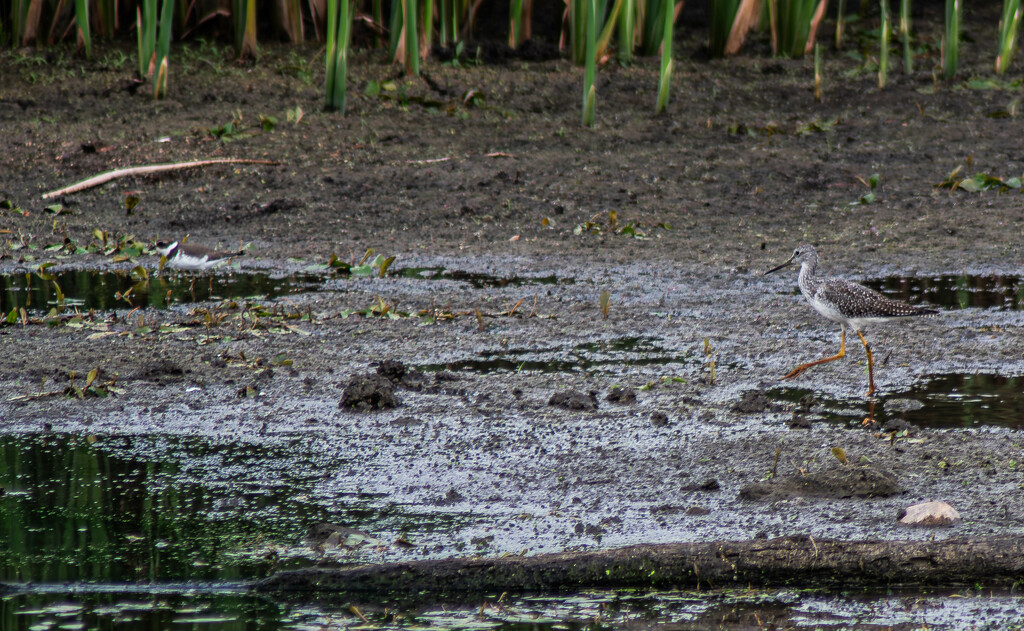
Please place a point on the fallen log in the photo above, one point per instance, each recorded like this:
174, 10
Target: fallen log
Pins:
797, 561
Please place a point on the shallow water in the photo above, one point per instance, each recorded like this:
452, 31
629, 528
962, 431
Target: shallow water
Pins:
85, 289
222, 609
954, 291
945, 401
153, 532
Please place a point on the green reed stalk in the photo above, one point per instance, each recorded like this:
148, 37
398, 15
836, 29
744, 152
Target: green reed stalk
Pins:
908, 55
590, 53
605, 37
447, 28
25, 15
106, 17
515, 27
145, 28
627, 31
817, 73
82, 19
412, 40
291, 14
426, 21
163, 48
883, 51
665, 77
578, 31
1009, 30
651, 25
339, 35
723, 16
396, 28
244, 15
792, 26
951, 39
377, 6
840, 22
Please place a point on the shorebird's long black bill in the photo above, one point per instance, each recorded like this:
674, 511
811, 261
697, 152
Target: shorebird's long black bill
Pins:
786, 264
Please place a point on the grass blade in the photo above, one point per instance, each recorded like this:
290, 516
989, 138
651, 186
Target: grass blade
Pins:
883, 51
590, 54
1009, 30
817, 73
951, 39
145, 26
82, 19
794, 25
908, 56
627, 31
609, 27
411, 36
291, 18
840, 22
665, 78
515, 18
339, 34
163, 48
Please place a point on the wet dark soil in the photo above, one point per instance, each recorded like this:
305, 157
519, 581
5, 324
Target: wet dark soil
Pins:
531, 451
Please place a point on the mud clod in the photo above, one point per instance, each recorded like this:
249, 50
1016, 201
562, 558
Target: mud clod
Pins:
753, 402
799, 421
368, 392
623, 395
574, 400
710, 484
392, 369
844, 482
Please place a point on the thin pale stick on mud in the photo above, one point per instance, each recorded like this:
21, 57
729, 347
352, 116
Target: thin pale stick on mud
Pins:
103, 178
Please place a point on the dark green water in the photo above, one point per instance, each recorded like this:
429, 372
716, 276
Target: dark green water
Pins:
940, 401
104, 291
151, 533
954, 292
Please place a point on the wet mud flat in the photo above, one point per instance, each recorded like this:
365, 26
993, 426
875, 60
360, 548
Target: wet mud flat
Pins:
525, 421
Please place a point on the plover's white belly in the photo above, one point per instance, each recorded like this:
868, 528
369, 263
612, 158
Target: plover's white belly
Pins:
194, 263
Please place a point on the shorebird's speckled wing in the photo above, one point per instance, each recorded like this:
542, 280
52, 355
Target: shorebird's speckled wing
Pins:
859, 302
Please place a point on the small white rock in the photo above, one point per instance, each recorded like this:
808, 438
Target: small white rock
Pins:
930, 514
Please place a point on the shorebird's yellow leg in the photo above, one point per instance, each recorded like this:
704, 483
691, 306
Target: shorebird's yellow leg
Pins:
841, 354
871, 365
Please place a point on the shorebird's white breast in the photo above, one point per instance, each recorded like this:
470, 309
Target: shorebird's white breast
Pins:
187, 262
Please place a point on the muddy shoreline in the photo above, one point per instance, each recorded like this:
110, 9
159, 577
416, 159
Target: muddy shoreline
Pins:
719, 190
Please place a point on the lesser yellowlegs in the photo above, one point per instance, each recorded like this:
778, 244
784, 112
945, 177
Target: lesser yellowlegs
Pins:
849, 304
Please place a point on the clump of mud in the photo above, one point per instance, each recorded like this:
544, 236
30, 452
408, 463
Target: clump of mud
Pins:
367, 392
623, 395
837, 483
574, 400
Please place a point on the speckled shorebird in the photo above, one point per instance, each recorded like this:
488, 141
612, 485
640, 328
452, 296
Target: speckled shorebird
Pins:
190, 257
849, 304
